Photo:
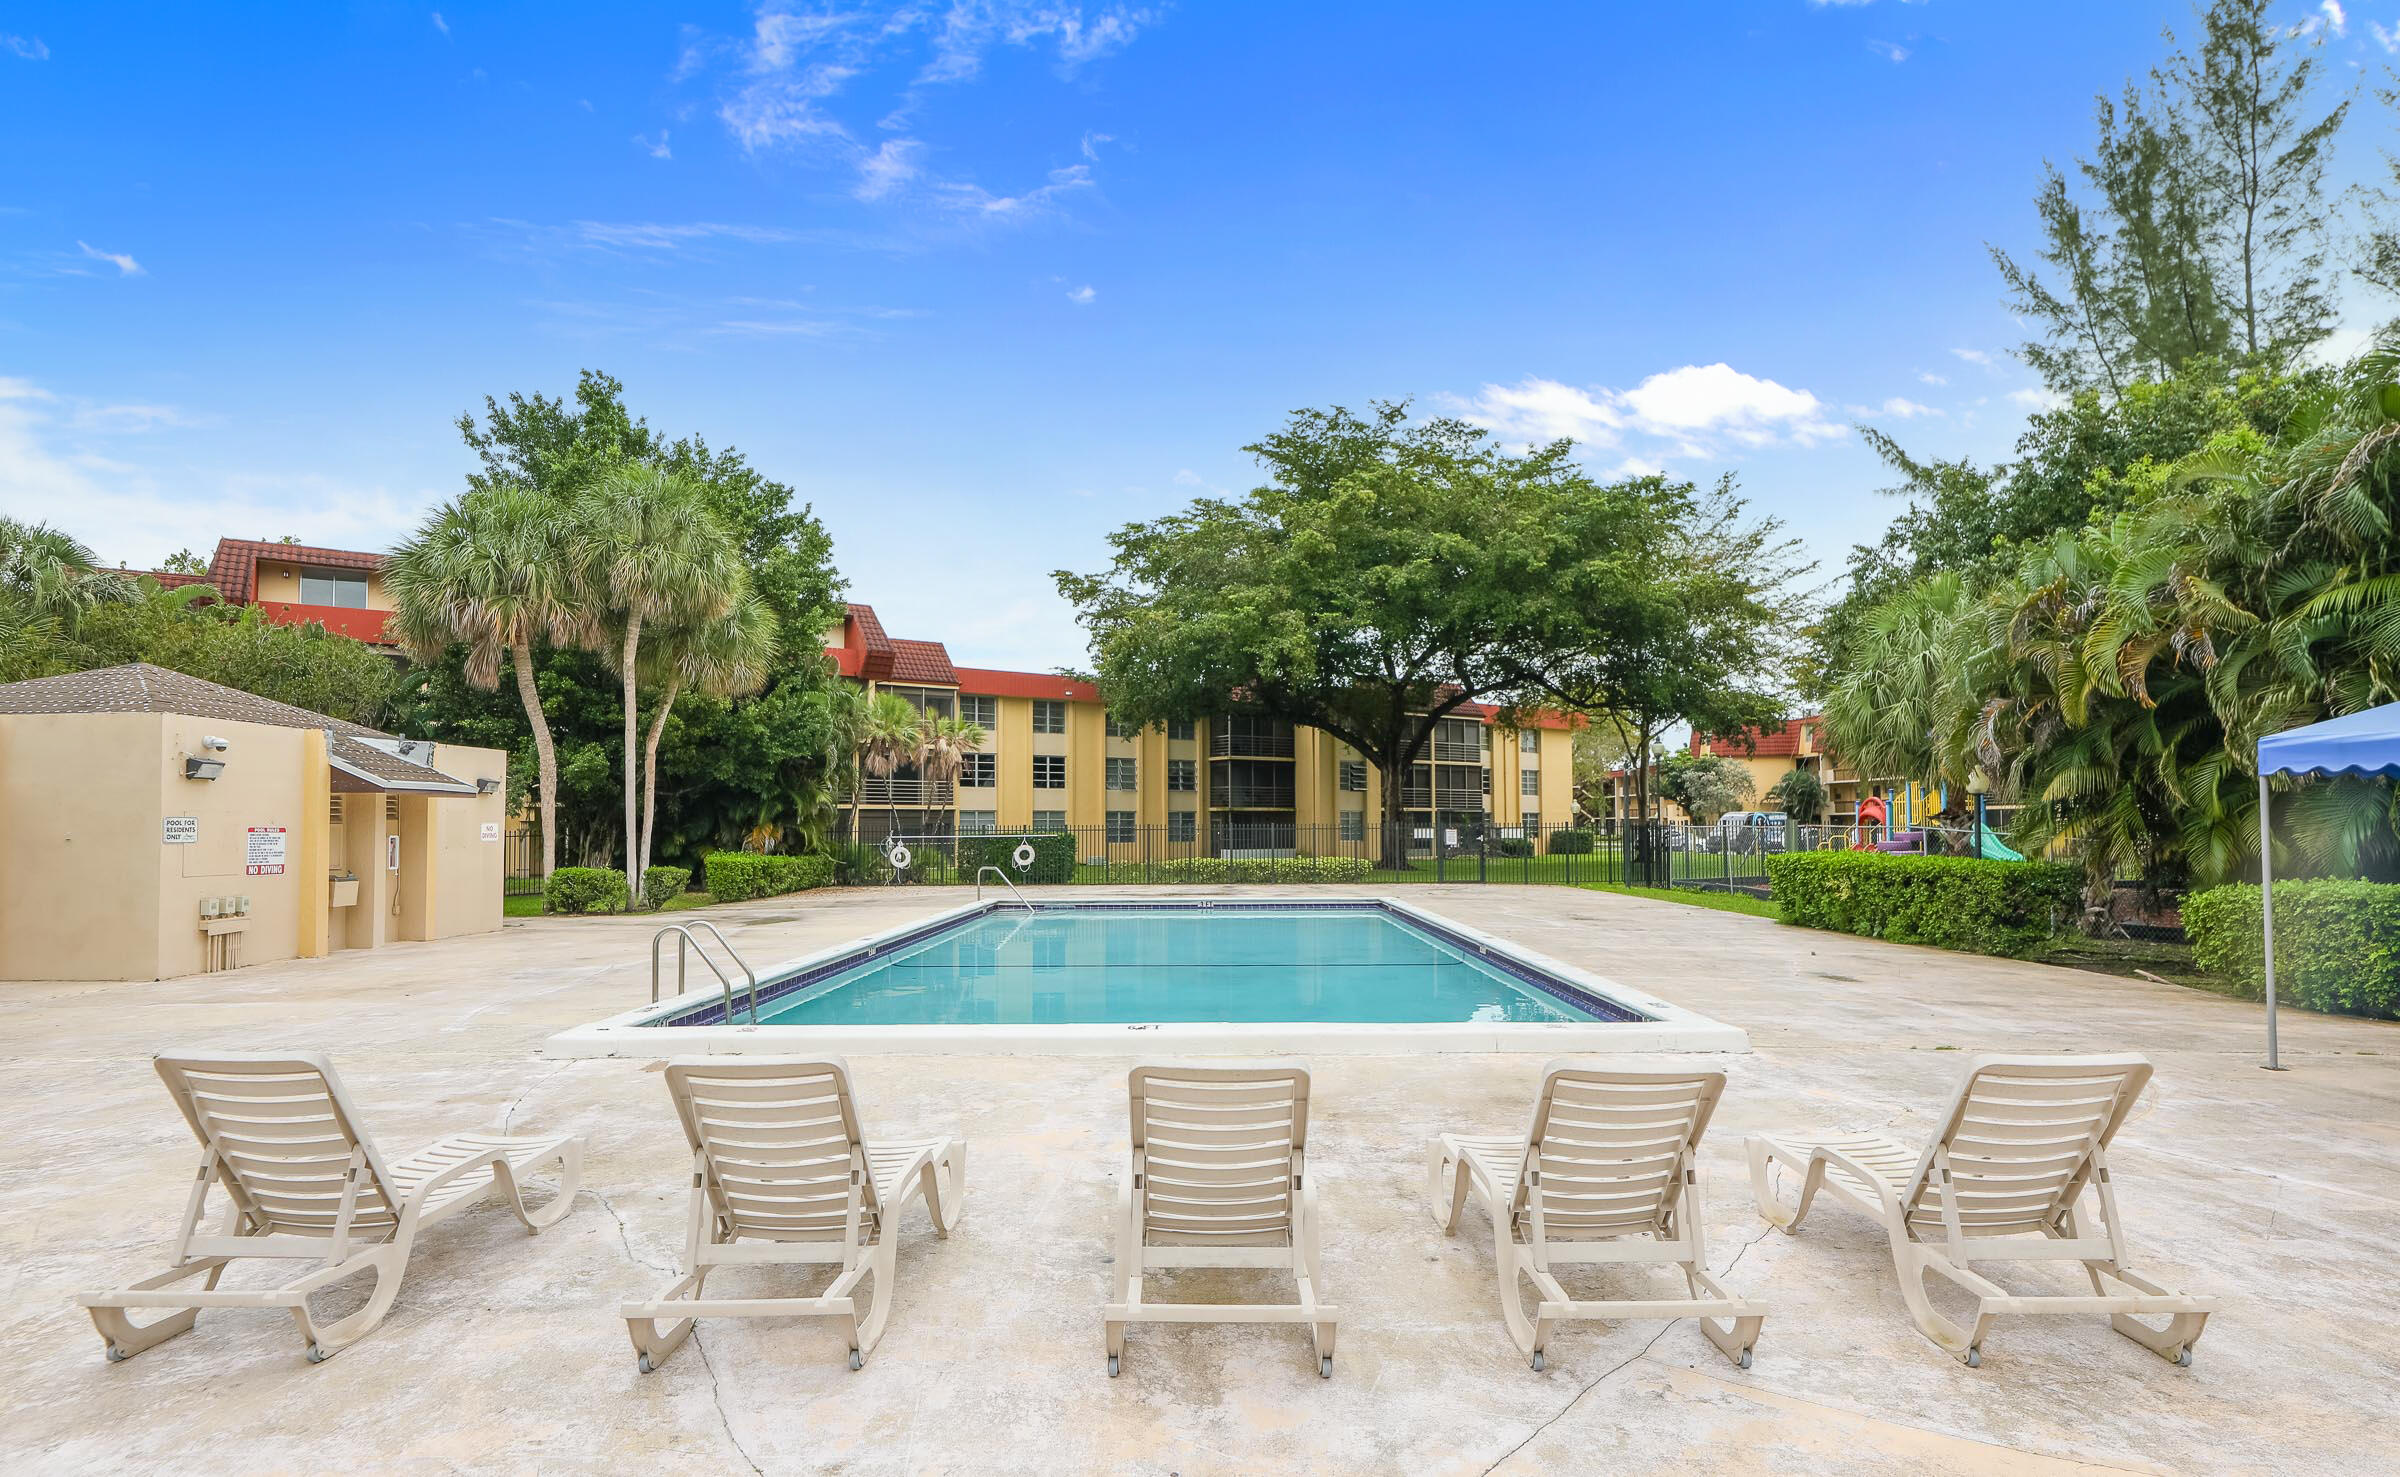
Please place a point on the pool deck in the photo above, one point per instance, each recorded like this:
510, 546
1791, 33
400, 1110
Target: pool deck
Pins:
2279, 1193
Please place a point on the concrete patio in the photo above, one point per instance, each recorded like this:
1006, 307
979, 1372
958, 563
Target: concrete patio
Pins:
2278, 1192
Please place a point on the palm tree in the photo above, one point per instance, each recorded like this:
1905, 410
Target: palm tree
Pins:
488, 572
646, 547
890, 733
51, 573
726, 657
942, 751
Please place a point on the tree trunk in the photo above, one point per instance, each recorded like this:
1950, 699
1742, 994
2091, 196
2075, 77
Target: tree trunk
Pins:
658, 727
545, 755
633, 737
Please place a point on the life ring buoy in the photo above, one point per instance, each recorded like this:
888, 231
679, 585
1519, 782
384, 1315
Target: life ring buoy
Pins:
898, 857
1023, 856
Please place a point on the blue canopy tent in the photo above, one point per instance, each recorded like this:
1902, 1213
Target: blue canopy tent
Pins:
2365, 743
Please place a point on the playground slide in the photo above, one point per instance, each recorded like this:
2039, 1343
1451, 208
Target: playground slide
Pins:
1997, 850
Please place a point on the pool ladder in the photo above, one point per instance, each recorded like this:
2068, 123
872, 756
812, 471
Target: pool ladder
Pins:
687, 942
1004, 882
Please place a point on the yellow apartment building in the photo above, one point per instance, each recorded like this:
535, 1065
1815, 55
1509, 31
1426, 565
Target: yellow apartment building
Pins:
1054, 759
1768, 755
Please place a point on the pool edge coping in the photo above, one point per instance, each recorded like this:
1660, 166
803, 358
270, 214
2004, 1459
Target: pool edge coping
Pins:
1670, 1028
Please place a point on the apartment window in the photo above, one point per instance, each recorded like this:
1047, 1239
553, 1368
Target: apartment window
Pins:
1120, 826
1181, 728
1182, 825
1049, 820
1049, 771
343, 587
1529, 742
1118, 727
983, 710
1183, 774
1049, 715
1529, 782
1353, 825
978, 771
1121, 774
1354, 775
978, 822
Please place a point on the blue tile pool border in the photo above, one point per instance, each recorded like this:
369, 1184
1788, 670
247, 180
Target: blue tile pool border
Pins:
1602, 1009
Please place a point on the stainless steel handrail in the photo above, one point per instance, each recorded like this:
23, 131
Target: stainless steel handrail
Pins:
1003, 876
686, 941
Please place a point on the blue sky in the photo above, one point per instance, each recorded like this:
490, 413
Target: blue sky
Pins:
983, 281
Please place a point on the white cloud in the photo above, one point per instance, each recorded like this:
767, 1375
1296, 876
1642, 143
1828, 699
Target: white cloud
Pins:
1929, 377
2036, 399
888, 168
1890, 51
1092, 143
783, 109
56, 467
655, 236
1905, 409
28, 47
1081, 296
2335, 18
439, 24
1693, 408
975, 200
655, 148
1974, 356
2388, 39
126, 266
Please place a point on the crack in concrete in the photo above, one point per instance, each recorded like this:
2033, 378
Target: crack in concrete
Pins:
716, 1390
518, 1101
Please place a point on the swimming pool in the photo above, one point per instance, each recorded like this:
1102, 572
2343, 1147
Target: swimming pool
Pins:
1229, 975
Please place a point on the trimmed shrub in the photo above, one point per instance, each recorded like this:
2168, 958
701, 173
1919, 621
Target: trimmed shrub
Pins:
1512, 846
734, 876
1949, 902
2337, 943
1218, 869
585, 890
1053, 856
1565, 843
662, 885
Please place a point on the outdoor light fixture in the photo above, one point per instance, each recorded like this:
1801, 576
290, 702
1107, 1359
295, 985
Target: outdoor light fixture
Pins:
487, 787
197, 768
214, 744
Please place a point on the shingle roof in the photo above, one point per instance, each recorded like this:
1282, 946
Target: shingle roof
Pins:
386, 770
139, 687
234, 571
922, 661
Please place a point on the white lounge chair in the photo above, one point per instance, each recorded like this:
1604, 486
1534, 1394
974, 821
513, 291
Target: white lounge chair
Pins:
781, 1176
303, 1183
1219, 1178
1603, 1175
1999, 1180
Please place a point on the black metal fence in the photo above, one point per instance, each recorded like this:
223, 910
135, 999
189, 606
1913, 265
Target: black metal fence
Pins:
522, 873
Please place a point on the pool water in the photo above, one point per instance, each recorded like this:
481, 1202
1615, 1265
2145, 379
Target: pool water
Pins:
1120, 965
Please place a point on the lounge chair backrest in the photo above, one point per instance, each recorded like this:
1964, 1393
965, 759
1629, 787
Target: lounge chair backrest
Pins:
779, 1141
1608, 1145
1218, 1148
283, 1134
2021, 1134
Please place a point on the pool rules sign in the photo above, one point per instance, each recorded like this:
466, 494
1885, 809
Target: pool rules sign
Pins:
263, 856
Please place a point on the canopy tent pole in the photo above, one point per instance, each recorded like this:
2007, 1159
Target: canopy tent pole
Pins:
2266, 900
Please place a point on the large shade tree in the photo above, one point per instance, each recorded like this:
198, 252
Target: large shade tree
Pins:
1386, 575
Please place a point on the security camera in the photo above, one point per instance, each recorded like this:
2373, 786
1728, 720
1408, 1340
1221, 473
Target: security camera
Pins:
215, 744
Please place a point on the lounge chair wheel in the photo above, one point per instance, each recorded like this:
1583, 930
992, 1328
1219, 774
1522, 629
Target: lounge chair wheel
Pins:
857, 1360
318, 1353
119, 1356
1974, 1358
644, 1361
2183, 1358
1325, 1368
1112, 1366
1539, 1363
1744, 1361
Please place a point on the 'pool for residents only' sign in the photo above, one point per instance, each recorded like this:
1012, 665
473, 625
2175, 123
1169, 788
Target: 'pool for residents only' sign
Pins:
182, 830
264, 855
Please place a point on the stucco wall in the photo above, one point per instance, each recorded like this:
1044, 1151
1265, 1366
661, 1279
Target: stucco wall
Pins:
466, 876
79, 822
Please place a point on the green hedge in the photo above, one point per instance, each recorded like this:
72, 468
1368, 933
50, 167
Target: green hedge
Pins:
734, 876
1264, 869
1950, 902
1512, 846
585, 890
662, 885
1565, 843
1053, 856
2337, 944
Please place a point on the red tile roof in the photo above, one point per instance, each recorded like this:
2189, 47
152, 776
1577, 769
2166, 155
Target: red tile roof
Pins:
986, 682
172, 579
1781, 743
922, 661
234, 571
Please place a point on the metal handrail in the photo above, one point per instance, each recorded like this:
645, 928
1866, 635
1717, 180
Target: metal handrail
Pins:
684, 940
1003, 876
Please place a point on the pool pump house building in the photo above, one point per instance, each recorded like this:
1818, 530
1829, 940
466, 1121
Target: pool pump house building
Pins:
153, 825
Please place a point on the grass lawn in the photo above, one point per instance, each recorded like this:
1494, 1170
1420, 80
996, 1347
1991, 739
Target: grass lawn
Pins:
1723, 902
1580, 869
531, 907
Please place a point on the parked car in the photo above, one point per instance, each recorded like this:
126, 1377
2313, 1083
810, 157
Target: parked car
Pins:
1748, 831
